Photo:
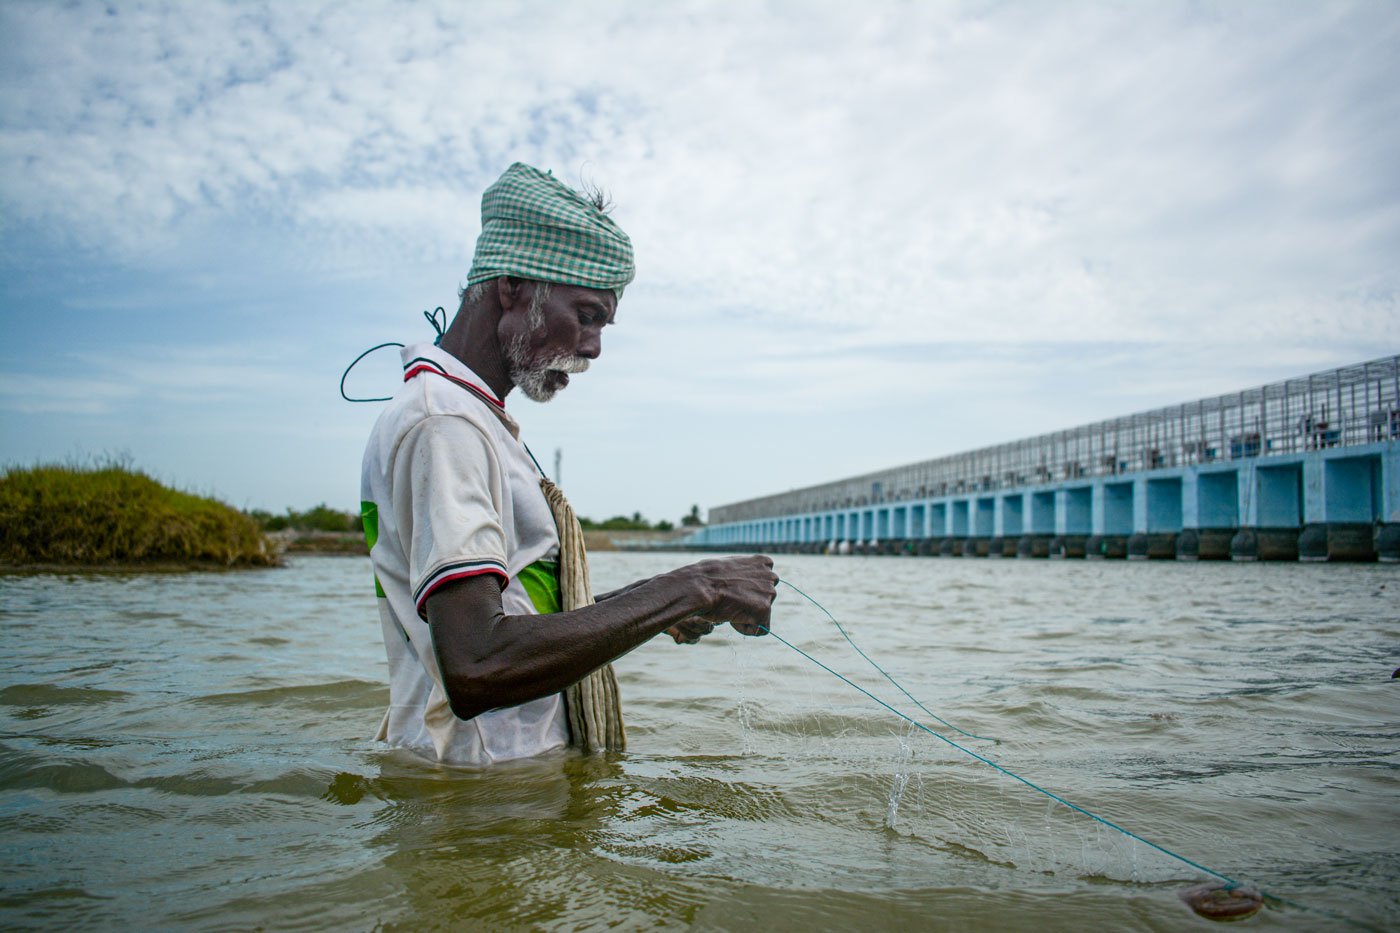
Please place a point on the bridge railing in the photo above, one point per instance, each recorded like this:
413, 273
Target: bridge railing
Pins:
1351, 405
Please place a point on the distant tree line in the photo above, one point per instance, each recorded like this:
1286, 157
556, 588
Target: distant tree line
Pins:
324, 518
623, 523
317, 518
638, 523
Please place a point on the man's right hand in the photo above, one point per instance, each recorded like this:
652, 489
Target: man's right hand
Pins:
738, 590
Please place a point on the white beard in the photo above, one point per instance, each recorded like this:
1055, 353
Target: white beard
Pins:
534, 380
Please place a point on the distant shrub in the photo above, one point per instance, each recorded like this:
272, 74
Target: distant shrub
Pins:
317, 518
617, 523
109, 513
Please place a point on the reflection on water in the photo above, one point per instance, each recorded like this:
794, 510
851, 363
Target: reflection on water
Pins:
192, 751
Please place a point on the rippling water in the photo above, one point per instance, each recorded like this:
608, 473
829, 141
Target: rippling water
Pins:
190, 751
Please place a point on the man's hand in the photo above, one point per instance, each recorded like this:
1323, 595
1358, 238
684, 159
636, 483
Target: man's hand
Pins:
689, 631
740, 591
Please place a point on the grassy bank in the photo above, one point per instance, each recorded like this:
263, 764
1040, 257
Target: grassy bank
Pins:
109, 514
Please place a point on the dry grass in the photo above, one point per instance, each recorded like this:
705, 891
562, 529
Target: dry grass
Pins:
108, 514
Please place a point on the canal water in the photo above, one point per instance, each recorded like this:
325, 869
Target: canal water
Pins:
191, 751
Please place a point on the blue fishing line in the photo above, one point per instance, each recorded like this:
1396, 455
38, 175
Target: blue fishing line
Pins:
1230, 882
844, 634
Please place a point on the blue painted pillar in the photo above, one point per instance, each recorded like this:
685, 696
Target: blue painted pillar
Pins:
938, 519
1314, 505
1217, 505
985, 517
1349, 490
1390, 482
1280, 495
1246, 493
1043, 510
959, 525
1010, 515
1163, 504
1118, 508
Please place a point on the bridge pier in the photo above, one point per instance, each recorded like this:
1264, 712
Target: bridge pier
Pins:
1250, 544
1353, 543
1159, 546
1033, 546
1111, 547
1204, 543
1062, 546
1388, 544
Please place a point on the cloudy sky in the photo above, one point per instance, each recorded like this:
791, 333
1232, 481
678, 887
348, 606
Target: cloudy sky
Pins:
866, 233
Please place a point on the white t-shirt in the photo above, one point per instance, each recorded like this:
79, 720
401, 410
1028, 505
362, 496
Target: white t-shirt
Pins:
448, 492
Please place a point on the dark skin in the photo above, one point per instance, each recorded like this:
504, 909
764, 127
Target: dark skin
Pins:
491, 660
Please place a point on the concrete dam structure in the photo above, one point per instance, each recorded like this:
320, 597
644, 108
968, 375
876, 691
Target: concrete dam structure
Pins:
1305, 469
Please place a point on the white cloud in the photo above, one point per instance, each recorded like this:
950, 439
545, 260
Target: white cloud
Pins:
826, 180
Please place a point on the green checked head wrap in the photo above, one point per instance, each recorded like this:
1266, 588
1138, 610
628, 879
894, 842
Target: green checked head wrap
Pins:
534, 227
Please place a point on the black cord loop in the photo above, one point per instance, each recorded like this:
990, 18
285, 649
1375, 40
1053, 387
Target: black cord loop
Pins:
352, 366
436, 317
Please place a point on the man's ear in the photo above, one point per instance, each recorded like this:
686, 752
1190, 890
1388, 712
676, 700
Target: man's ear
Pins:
508, 292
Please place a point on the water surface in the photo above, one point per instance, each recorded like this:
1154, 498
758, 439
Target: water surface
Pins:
191, 751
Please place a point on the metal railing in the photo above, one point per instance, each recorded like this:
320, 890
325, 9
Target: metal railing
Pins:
1343, 407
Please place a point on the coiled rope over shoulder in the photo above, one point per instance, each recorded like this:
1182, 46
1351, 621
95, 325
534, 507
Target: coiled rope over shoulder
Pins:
593, 705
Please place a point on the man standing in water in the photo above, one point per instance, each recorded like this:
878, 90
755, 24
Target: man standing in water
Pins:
464, 545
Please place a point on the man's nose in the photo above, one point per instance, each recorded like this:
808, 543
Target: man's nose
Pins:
590, 346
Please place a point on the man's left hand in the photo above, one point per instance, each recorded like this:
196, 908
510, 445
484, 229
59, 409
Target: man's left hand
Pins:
691, 630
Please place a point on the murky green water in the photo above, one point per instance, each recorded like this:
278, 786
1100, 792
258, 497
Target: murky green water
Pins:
189, 751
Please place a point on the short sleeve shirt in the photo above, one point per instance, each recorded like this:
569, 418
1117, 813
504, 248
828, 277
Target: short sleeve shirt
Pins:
448, 491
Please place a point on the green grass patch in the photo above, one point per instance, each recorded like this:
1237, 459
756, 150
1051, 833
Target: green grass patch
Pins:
110, 514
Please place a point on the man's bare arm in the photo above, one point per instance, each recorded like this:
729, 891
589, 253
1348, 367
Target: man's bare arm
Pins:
491, 660
685, 632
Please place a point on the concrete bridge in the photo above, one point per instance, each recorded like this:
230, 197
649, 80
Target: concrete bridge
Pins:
1305, 469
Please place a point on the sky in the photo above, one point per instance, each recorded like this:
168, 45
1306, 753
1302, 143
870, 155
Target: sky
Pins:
866, 234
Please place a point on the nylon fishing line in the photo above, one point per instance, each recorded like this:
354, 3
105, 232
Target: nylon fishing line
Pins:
1203, 898
846, 635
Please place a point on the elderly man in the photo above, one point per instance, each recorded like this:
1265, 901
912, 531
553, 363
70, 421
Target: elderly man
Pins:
483, 664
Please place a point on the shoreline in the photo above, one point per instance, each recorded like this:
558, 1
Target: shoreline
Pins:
301, 544
129, 567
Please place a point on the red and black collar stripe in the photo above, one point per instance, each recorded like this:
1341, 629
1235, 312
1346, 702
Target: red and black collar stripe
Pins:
421, 364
